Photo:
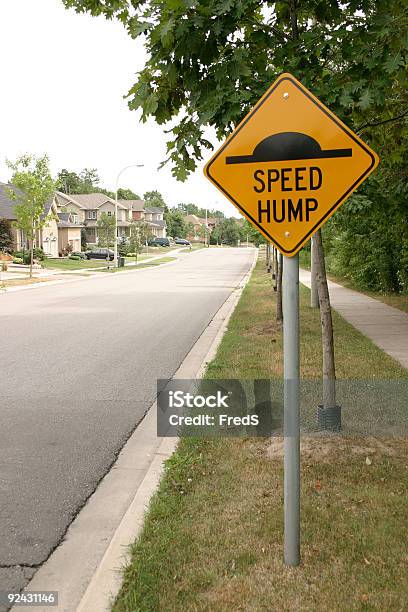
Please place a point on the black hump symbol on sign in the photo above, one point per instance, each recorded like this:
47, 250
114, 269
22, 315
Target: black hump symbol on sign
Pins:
287, 146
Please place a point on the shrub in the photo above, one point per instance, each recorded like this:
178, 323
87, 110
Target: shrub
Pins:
25, 257
17, 260
75, 257
39, 254
67, 249
6, 236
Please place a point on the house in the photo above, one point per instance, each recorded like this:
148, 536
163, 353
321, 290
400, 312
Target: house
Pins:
49, 238
68, 214
153, 216
86, 209
7, 205
194, 225
197, 223
69, 232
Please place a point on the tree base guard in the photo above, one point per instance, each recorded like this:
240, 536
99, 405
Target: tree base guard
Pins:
329, 418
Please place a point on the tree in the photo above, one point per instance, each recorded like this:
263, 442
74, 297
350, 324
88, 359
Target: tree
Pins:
87, 181
68, 182
84, 239
139, 234
202, 57
33, 187
203, 233
106, 230
154, 198
193, 209
6, 236
176, 226
227, 231
253, 235
127, 194
190, 230
89, 177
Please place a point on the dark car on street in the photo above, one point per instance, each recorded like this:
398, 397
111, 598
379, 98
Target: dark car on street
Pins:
182, 241
165, 242
100, 254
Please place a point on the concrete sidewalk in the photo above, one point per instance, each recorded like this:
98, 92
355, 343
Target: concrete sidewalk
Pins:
386, 326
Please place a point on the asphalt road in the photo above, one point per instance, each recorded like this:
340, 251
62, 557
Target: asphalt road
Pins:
78, 369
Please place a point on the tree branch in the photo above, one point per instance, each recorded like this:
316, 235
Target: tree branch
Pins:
375, 124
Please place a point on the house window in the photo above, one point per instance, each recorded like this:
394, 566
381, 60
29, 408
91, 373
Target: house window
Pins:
109, 213
91, 214
75, 218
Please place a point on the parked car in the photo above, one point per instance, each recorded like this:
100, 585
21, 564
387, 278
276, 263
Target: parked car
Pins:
182, 241
79, 254
100, 254
165, 242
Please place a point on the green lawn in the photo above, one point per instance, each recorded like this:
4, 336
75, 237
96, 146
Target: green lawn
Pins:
148, 264
72, 264
152, 251
140, 257
213, 536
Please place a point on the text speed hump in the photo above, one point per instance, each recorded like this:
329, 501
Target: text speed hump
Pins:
290, 164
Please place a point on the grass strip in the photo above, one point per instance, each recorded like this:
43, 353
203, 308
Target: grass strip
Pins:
71, 264
147, 264
213, 535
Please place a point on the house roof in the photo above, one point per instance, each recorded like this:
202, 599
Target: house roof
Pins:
154, 209
194, 220
63, 199
214, 220
89, 201
6, 203
136, 205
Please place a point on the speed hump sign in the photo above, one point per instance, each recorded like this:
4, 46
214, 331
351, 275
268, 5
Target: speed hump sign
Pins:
290, 164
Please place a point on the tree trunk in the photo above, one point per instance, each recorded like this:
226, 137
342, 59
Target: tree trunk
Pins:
329, 371
279, 311
275, 268
314, 292
268, 255
31, 257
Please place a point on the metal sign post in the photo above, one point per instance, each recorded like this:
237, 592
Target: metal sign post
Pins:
290, 299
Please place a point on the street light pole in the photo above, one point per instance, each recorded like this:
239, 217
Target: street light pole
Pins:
116, 209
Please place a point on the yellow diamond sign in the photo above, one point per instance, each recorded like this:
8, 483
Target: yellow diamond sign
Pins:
290, 164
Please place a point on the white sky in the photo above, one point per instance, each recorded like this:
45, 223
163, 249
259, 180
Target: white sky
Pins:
63, 80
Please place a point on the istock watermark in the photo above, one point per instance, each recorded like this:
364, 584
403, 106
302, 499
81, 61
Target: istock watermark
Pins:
212, 408
253, 407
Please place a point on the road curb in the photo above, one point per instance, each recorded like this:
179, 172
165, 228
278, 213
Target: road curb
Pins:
86, 567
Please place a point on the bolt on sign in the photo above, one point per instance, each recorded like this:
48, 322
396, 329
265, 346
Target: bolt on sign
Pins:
290, 164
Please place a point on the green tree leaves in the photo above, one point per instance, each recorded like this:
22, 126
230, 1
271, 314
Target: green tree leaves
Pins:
210, 60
